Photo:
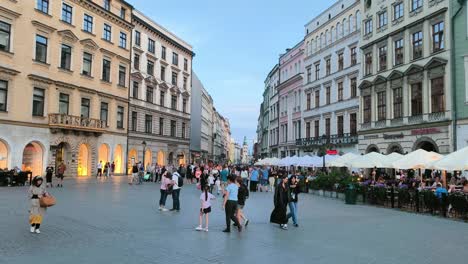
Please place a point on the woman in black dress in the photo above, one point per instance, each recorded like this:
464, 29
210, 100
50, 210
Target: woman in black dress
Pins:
49, 173
281, 200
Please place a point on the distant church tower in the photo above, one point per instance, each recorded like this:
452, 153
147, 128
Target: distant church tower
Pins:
245, 151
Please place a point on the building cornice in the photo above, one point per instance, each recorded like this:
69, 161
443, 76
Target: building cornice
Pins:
290, 81
107, 15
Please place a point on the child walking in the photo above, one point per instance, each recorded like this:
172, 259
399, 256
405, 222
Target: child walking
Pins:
205, 209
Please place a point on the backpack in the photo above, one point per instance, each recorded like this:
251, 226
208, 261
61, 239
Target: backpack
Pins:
180, 181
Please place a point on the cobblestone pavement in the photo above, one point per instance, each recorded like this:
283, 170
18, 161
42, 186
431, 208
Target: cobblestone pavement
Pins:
112, 222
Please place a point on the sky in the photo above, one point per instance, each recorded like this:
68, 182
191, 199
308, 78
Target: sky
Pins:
236, 44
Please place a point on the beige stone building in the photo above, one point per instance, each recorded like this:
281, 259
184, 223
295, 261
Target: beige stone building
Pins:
64, 77
159, 96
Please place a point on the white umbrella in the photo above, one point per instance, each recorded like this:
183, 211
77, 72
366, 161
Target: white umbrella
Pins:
285, 162
370, 160
273, 162
391, 158
318, 161
418, 159
455, 161
341, 160
307, 161
259, 162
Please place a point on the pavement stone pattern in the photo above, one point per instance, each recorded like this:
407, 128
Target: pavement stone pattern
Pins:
109, 221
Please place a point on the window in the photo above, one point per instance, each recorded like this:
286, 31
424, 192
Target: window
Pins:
163, 73
309, 103
327, 67
137, 38
353, 123
135, 90
174, 78
399, 52
87, 64
148, 124
327, 95
3, 95
438, 36
122, 75
136, 62
64, 103
85, 105
65, 59
183, 130
398, 11
185, 64
120, 117
161, 126
123, 12
437, 95
417, 45
161, 98
383, 19
163, 53
134, 121
184, 105
367, 108
398, 103
353, 87
123, 40
340, 125
174, 102
151, 46
107, 32
173, 128
415, 4
383, 58
327, 127
307, 129
317, 99
175, 58
88, 23
353, 56
104, 112
185, 83
5, 35
381, 106
107, 5
368, 27
340, 62
340, 91
149, 94
67, 13
43, 6
416, 99
309, 75
317, 71
316, 128
150, 68
106, 65
368, 69
38, 102
41, 49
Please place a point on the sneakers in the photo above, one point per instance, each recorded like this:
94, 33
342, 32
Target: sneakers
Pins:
38, 231
164, 209
32, 229
199, 228
246, 223
206, 229
296, 225
226, 231
284, 227
160, 208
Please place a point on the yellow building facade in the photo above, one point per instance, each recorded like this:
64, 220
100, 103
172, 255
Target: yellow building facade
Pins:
64, 78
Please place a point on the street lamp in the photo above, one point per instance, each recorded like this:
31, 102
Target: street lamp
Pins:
144, 153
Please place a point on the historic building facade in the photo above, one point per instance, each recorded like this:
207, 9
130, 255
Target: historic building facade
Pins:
406, 93
272, 82
159, 114
64, 72
265, 124
289, 96
332, 70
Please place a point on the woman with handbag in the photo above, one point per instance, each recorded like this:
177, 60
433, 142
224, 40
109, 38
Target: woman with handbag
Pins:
37, 190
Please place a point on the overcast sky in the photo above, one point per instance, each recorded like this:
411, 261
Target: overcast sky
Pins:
236, 44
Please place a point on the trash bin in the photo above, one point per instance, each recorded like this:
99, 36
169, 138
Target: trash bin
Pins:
350, 194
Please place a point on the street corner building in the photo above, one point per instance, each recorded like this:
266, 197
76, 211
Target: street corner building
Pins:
64, 84
160, 91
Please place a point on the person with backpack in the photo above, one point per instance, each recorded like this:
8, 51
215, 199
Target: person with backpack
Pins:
177, 183
165, 189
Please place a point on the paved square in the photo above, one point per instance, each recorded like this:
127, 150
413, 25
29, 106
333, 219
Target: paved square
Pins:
112, 222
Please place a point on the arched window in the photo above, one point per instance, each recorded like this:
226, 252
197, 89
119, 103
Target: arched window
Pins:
345, 27
358, 20
317, 44
338, 32
351, 23
333, 35
307, 48
326, 37
321, 41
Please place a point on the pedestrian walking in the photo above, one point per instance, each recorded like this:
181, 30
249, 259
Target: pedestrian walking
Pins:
60, 173
245, 176
242, 196
224, 173
293, 199
49, 173
134, 178
281, 200
205, 209
254, 177
272, 180
112, 168
177, 182
211, 182
99, 169
36, 213
230, 204
165, 189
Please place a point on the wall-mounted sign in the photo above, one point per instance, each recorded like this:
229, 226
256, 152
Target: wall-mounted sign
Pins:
393, 136
371, 137
424, 131
332, 152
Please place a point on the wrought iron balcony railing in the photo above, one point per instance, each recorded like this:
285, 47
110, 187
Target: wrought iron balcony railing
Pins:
76, 123
344, 139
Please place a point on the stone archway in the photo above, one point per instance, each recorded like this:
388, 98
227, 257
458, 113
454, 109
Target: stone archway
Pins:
118, 158
132, 159
395, 147
372, 148
148, 158
84, 160
103, 154
427, 144
170, 158
4, 154
160, 158
33, 156
181, 159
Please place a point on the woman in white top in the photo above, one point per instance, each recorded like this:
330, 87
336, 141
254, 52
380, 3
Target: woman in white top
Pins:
205, 209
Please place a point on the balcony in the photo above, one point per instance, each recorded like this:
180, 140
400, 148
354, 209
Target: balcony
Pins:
343, 139
69, 122
415, 119
409, 120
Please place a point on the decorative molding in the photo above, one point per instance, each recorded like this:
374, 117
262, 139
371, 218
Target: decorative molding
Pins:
108, 52
9, 12
68, 35
42, 26
89, 44
4, 71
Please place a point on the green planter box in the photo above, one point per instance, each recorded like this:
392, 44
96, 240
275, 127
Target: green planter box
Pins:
350, 196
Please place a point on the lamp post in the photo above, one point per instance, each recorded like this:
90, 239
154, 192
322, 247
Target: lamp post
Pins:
144, 153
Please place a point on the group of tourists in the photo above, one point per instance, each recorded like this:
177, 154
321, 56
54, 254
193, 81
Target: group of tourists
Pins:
61, 168
107, 169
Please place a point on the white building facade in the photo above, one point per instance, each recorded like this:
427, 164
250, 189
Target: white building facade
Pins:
272, 82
